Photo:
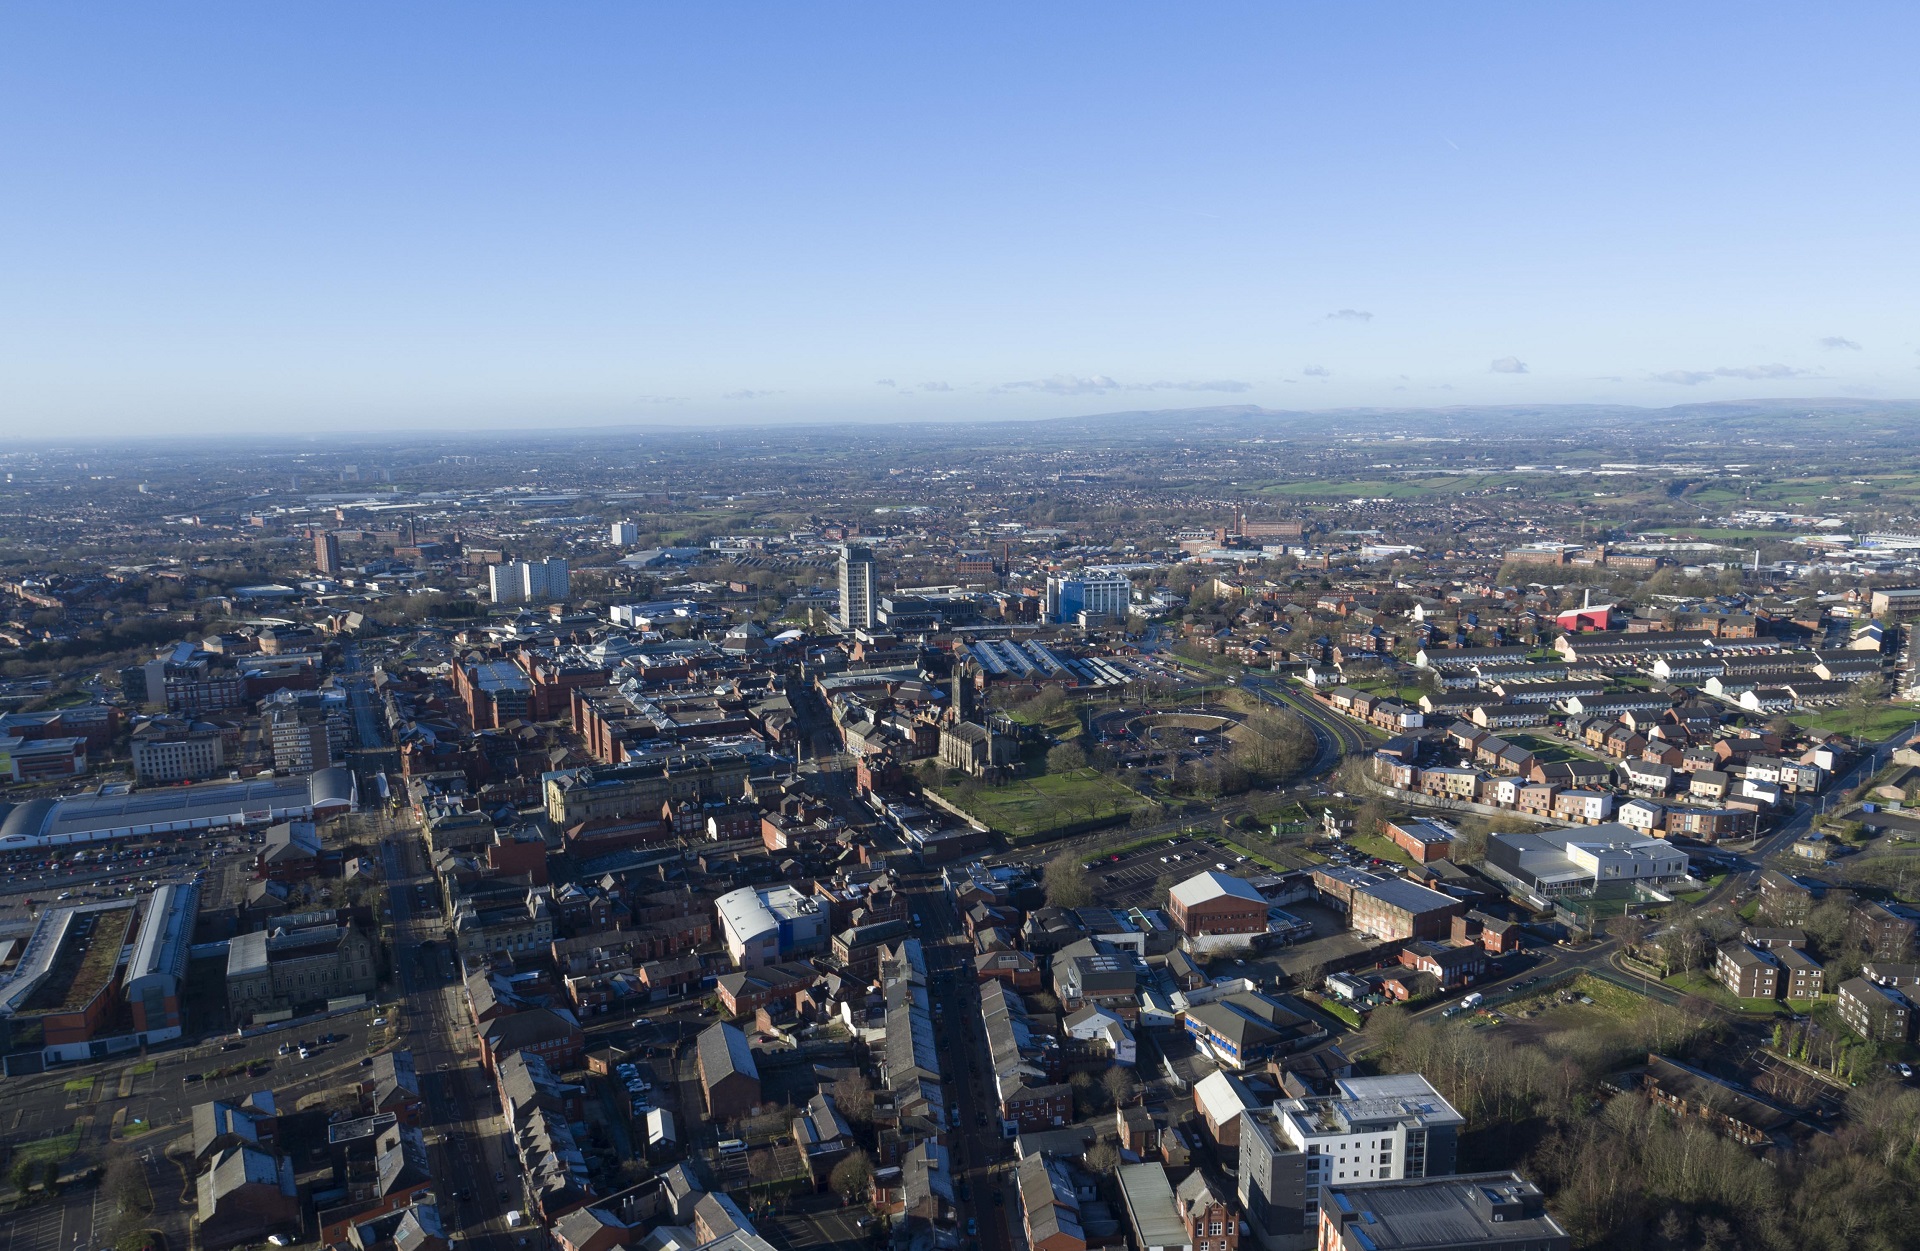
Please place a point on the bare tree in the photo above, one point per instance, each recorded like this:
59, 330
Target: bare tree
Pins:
854, 1097
1065, 882
852, 1178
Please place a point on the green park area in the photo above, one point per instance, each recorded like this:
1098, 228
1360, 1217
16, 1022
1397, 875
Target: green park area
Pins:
1380, 848
1547, 749
52, 1149
1028, 807
1871, 723
1702, 984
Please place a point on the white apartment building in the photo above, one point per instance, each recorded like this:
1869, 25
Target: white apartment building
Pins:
1095, 592
1372, 1129
858, 588
532, 582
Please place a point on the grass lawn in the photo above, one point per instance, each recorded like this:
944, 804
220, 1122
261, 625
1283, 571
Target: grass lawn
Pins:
1551, 1012
1062, 722
1547, 749
144, 1067
1292, 814
41, 1150
1384, 848
78, 1086
1256, 857
1389, 688
1712, 535
1876, 723
1031, 806
1699, 983
1694, 897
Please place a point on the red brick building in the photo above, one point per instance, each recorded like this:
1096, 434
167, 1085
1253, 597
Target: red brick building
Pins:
1212, 905
554, 1036
1426, 841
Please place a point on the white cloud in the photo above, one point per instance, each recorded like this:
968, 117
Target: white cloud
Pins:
1763, 371
1100, 384
1834, 342
886, 382
748, 395
935, 386
1317, 371
1217, 384
1508, 365
1067, 384
1349, 314
1694, 377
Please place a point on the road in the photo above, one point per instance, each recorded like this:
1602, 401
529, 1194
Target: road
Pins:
466, 1133
67, 1225
979, 1153
1338, 736
1797, 825
465, 1130
1558, 962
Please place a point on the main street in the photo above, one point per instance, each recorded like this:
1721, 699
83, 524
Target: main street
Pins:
466, 1133
465, 1130
977, 1146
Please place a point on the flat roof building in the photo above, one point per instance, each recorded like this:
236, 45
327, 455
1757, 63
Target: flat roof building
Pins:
1370, 1129
1148, 1197
768, 924
1559, 861
1471, 1212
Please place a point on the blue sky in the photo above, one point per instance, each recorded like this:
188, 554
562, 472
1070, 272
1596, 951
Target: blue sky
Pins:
237, 216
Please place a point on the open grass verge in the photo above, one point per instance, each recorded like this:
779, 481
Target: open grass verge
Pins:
1381, 848
1873, 723
54, 1148
1705, 987
1028, 807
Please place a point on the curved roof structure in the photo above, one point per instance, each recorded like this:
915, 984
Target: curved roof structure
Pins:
172, 809
335, 787
26, 820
